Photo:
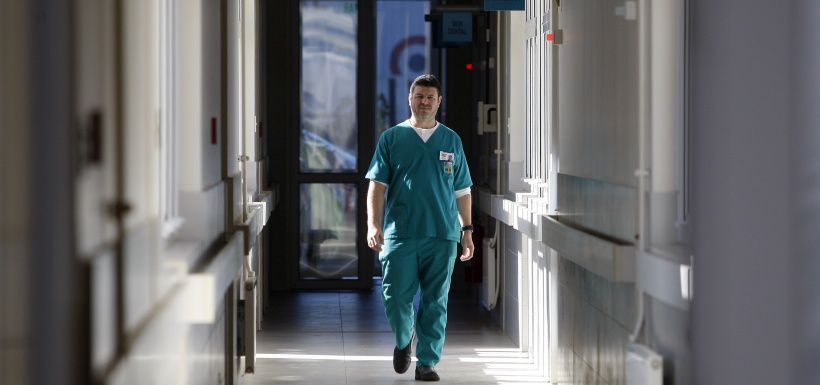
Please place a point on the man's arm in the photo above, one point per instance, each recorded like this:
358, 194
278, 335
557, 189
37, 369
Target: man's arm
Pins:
465, 213
375, 215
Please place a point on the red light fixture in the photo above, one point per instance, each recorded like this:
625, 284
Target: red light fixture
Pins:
469, 66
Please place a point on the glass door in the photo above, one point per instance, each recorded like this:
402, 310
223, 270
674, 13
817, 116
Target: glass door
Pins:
333, 145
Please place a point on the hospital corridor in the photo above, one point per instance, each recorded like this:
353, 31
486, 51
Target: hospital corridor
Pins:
375, 192
342, 338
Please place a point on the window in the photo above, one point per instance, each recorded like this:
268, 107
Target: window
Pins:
537, 98
329, 129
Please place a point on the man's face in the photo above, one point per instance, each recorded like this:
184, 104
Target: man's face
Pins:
424, 102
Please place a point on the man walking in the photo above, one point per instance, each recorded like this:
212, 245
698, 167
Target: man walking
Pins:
421, 164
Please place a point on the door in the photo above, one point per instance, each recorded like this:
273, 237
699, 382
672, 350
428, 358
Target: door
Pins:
333, 146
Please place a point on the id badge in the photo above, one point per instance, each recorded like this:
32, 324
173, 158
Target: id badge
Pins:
448, 167
446, 156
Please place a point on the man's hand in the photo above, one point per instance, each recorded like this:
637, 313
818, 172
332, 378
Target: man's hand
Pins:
465, 207
375, 218
375, 240
467, 246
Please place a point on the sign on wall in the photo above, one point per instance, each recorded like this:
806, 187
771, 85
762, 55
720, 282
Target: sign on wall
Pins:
456, 27
503, 5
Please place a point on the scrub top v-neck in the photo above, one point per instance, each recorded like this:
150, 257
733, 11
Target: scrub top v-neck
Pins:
422, 178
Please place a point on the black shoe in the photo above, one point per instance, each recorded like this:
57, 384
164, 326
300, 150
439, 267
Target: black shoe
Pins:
402, 357
426, 373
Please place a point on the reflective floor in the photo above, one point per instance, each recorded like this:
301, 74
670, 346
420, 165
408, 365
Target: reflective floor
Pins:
343, 338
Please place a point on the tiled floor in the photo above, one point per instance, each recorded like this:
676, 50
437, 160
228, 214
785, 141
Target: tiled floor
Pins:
343, 338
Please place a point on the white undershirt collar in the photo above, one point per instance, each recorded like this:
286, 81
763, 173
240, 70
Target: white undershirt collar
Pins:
424, 133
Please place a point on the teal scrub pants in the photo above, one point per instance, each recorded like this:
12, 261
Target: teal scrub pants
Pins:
408, 265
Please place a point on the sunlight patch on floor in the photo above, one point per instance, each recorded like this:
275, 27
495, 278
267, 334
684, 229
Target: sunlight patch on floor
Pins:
509, 366
323, 357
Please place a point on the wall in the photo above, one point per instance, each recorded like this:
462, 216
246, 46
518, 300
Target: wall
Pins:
94, 287
514, 105
199, 79
598, 92
595, 318
751, 149
510, 304
607, 103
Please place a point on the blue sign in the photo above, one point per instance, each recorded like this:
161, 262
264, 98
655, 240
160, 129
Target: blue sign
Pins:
456, 27
504, 5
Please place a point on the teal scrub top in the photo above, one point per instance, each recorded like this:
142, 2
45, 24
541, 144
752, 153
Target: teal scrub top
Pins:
422, 179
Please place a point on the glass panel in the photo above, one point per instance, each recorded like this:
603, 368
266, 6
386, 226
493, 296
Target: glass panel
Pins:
329, 49
403, 43
328, 231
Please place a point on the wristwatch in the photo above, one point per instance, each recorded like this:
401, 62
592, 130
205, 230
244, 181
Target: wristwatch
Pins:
467, 228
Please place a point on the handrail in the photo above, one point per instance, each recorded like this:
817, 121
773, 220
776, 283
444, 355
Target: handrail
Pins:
608, 257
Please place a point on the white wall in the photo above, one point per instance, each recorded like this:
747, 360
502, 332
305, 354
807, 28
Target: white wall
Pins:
199, 94
199, 72
665, 107
140, 109
68, 271
250, 93
598, 92
514, 110
235, 108
598, 105
511, 305
234, 73
140, 147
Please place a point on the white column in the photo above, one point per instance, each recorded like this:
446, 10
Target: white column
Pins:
514, 70
805, 184
666, 56
741, 325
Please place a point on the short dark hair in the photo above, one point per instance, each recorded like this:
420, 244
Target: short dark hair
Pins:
426, 80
